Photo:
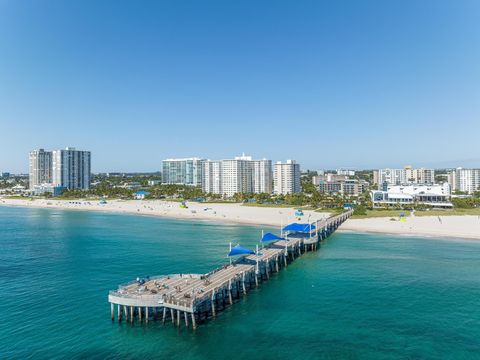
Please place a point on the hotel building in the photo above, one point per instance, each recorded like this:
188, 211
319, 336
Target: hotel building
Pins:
40, 168
286, 178
188, 171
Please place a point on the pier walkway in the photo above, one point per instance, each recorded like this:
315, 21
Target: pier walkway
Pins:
198, 297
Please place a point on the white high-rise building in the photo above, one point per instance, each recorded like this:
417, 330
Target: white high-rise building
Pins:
187, 171
407, 175
71, 168
391, 176
419, 176
465, 180
238, 175
286, 177
262, 176
212, 177
40, 167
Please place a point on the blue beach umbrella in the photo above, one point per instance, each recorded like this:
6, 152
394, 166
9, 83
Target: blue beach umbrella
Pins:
271, 237
296, 227
240, 250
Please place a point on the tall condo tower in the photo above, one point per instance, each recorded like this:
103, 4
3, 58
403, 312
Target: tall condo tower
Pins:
40, 167
286, 178
71, 168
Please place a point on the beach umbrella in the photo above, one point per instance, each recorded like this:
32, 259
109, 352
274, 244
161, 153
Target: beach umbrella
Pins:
240, 250
296, 227
271, 237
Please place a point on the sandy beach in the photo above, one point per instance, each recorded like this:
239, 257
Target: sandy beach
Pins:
226, 213
465, 227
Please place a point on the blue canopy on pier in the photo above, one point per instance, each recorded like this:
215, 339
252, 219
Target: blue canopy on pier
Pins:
296, 227
271, 237
240, 250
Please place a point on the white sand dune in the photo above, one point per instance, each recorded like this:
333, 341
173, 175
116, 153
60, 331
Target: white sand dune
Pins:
226, 213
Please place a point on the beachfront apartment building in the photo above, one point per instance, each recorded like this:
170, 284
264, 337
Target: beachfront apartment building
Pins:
71, 168
419, 176
40, 168
212, 177
464, 180
262, 176
286, 177
238, 175
350, 187
407, 175
187, 171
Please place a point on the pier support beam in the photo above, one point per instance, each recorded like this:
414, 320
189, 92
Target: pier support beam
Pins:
119, 313
230, 292
131, 314
178, 318
194, 324
164, 315
172, 313
112, 311
146, 314
185, 315
212, 302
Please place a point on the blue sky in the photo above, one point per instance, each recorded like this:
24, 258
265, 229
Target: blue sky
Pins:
330, 83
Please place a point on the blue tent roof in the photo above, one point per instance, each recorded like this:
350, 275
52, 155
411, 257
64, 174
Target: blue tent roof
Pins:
240, 250
271, 237
141, 192
295, 227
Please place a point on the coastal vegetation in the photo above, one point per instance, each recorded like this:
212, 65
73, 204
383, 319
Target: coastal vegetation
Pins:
374, 213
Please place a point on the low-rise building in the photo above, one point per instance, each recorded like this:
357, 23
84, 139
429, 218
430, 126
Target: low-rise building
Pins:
347, 172
154, 182
351, 187
430, 195
140, 195
132, 185
42, 189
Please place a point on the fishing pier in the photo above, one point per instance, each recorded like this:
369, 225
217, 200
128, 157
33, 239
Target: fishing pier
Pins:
195, 298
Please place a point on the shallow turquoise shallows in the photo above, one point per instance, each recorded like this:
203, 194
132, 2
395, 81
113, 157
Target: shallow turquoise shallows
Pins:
360, 297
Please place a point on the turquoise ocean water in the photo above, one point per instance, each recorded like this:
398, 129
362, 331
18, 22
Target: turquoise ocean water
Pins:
360, 297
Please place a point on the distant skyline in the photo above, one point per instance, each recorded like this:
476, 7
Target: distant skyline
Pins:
357, 84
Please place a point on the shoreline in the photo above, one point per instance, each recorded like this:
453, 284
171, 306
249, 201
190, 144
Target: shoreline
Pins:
413, 235
466, 227
224, 213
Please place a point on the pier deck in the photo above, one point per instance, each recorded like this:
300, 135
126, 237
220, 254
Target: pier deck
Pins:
199, 295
